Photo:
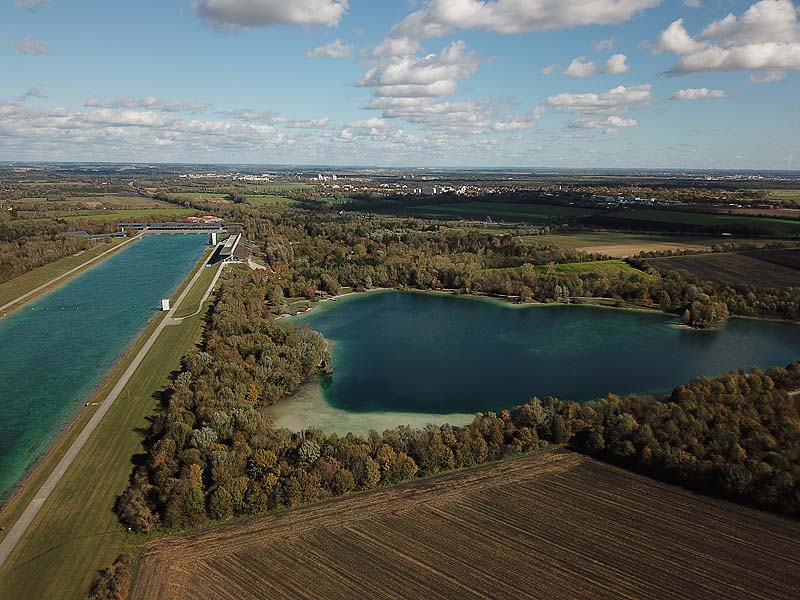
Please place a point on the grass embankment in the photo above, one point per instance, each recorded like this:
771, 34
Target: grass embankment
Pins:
76, 533
191, 303
14, 288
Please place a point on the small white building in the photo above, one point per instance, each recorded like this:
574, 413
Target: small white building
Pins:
165, 304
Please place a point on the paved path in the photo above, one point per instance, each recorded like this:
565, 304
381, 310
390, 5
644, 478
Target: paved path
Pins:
30, 512
178, 320
45, 285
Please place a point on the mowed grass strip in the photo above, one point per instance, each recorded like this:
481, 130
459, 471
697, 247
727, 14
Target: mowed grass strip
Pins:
14, 288
76, 533
268, 200
598, 267
752, 268
548, 525
506, 209
191, 303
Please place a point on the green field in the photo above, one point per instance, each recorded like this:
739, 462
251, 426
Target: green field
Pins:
198, 195
23, 284
261, 188
705, 219
787, 196
192, 300
505, 209
77, 533
268, 200
597, 267
135, 213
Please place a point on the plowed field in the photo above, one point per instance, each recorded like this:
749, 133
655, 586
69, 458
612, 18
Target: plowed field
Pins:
552, 525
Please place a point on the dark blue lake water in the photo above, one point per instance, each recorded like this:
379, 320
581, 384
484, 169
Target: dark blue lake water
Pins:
410, 352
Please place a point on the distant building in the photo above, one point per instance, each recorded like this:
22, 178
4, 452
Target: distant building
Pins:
165, 304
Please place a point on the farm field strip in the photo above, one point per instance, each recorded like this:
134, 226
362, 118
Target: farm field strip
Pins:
703, 218
526, 526
624, 245
507, 209
765, 268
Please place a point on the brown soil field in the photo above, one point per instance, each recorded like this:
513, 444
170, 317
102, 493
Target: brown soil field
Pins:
548, 525
625, 251
761, 268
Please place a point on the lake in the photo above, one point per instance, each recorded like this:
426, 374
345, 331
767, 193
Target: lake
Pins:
401, 357
58, 348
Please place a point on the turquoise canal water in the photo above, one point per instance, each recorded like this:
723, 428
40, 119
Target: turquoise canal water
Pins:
422, 353
57, 349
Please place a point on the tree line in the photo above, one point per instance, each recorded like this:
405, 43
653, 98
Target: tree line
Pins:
212, 454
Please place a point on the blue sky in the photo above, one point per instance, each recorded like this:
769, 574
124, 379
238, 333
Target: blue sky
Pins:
539, 83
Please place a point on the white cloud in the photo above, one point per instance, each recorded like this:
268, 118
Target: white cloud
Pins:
428, 76
335, 49
604, 45
251, 115
397, 46
607, 124
614, 100
35, 91
259, 13
439, 17
692, 3
580, 67
307, 123
697, 94
617, 64
139, 129
765, 37
151, 102
548, 70
767, 77
31, 4
520, 122
33, 46
603, 111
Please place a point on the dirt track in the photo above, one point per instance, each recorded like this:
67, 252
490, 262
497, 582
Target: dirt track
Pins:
553, 525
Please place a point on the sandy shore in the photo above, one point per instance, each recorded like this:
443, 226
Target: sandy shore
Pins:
308, 408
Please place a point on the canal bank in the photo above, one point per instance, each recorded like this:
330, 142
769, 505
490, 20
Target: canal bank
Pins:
65, 343
27, 288
77, 530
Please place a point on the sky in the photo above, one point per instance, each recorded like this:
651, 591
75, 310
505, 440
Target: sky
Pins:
703, 84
